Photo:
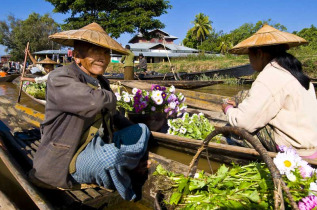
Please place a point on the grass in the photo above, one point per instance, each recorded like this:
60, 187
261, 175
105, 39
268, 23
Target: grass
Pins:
203, 62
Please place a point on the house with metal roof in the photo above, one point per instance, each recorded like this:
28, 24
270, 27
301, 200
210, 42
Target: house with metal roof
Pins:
157, 45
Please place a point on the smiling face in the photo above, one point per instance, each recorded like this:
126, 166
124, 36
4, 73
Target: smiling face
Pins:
92, 59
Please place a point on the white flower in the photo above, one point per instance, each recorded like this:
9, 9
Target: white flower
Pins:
134, 90
118, 96
200, 114
313, 188
286, 162
143, 112
196, 175
291, 177
169, 131
169, 123
153, 108
172, 105
172, 89
126, 99
158, 100
182, 130
156, 93
183, 108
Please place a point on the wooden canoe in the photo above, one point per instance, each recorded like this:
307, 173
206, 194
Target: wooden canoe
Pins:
194, 99
19, 140
40, 101
9, 78
182, 84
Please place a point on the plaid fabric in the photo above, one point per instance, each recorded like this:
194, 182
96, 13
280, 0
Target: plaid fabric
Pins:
108, 164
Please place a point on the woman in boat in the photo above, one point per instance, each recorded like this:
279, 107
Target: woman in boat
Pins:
78, 143
282, 96
48, 66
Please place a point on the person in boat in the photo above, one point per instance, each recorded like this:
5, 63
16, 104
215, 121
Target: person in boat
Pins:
48, 66
281, 97
128, 61
78, 143
142, 66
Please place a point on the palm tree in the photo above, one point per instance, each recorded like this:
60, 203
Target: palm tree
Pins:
202, 27
225, 43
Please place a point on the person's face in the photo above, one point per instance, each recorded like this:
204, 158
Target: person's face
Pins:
48, 67
255, 57
94, 60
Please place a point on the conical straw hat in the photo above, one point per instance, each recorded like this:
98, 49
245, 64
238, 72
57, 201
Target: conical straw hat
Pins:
47, 61
92, 33
267, 36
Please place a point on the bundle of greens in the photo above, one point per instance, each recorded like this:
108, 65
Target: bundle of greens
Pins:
196, 126
244, 187
241, 187
35, 90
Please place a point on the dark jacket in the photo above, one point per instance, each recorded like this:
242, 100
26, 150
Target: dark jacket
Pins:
71, 108
142, 64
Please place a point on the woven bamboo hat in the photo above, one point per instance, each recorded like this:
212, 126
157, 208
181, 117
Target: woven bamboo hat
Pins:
92, 33
267, 36
47, 61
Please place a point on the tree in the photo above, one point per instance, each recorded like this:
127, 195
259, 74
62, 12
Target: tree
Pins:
310, 34
115, 16
248, 29
202, 27
15, 33
189, 40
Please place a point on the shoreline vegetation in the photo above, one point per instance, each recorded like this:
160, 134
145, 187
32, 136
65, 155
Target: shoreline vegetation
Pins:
204, 62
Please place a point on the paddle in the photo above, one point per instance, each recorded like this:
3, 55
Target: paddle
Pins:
23, 70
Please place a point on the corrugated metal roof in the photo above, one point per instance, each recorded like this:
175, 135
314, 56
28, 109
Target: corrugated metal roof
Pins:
147, 46
51, 52
162, 55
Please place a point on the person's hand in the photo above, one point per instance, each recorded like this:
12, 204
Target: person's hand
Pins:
227, 103
231, 102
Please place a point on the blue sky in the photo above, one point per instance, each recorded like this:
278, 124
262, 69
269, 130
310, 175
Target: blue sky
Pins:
226, 15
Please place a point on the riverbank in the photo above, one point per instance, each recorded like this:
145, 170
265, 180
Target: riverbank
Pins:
211, 62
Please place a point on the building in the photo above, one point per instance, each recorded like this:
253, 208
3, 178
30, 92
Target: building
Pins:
52, 54
158, 46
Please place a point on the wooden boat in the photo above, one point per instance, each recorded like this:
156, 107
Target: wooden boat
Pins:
194, 99
19, 135
19, 140
236, 71
40, 101
182, 84
9, 78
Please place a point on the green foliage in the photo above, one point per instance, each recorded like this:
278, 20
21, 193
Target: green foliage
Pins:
242, 187
15, 33
194, 127
202, 27
116, 17
35, 90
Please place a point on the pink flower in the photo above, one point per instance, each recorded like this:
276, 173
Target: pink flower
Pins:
308, 203
305, 169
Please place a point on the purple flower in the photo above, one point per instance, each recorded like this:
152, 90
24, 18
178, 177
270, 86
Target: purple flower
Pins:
164, 95
171, 98
153, 108
155, 87
163, 88
308, 203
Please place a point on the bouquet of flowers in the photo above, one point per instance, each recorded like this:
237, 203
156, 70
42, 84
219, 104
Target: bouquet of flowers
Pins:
196, 127
159, 99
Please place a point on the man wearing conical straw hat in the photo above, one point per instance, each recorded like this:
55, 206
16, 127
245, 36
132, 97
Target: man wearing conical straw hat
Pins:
48, 66
282, 96
78, 145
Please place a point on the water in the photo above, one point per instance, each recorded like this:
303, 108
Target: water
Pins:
222, 89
